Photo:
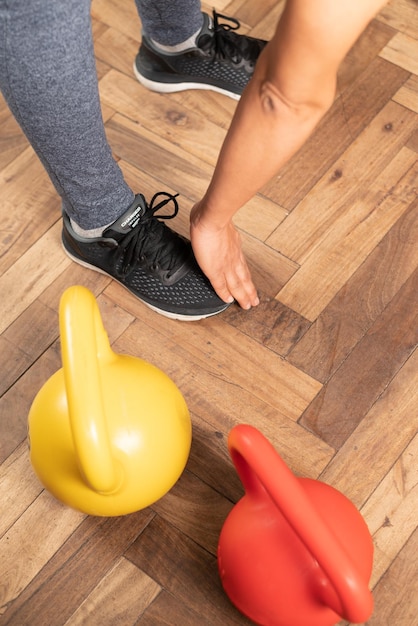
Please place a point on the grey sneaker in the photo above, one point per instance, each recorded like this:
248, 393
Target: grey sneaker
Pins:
153, 262
223, 61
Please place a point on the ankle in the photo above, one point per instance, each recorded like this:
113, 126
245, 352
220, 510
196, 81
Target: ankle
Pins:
180, 47
89, 233
187, 44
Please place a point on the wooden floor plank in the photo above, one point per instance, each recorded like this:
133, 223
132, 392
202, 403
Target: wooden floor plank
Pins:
12, 142
266, 27
16, 476
160, 115
168, 610
133, 590
196, 582
195, 509
25, 172
34, 330
91, 550
46, 518
401, 15
14, 362
31, 274
402, 50
362, 378
272, 324
380, 146
349, 239
407, 95
16, 402
121, 15
116, 50
396, 600
375, 37
366, 457
252, 13
210, 461
336, 331
73, 275
391, 511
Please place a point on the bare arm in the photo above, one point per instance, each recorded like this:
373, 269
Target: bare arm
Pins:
292, 88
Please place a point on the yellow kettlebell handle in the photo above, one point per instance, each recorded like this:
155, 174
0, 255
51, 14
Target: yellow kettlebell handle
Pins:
84, 343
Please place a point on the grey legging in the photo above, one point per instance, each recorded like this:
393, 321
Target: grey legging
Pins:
48, 78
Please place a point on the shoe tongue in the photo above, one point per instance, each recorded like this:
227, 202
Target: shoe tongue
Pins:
129, 219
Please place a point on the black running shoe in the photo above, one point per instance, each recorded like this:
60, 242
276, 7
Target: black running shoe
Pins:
156, 264
223, 61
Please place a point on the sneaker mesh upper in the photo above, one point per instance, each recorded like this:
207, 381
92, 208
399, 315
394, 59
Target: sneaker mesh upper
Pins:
222, 59
161, 270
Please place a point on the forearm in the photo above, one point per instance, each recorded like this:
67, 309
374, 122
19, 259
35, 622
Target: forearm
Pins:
292, 88
265, 133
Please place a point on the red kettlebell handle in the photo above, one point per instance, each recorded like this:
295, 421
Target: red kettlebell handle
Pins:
261, 469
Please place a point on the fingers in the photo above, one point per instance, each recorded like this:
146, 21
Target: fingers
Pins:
219, 254
236, 285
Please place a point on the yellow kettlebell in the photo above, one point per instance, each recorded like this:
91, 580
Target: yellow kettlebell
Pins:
109, 433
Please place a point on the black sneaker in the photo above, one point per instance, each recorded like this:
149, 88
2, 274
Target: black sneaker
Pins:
223, 61
156, 264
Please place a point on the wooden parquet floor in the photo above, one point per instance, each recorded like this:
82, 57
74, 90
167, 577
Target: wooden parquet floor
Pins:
326, 367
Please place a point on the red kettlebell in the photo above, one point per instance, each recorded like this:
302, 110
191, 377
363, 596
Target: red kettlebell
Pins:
293, 551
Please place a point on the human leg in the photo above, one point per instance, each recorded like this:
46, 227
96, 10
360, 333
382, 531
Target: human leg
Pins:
48, 78
164, 20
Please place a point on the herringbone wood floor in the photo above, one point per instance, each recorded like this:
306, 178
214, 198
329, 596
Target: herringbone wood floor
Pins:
326, 367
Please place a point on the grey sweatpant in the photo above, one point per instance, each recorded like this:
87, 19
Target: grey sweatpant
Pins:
48, 79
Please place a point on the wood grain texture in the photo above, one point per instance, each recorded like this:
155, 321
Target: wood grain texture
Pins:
326, 367
355, 386
344, 321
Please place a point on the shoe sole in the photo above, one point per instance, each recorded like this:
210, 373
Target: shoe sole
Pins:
173, 316
173, 87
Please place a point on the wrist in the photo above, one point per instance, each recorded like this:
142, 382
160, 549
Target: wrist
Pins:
203, 217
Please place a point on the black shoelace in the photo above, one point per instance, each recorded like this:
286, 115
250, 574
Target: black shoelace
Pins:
225, 43
151, 241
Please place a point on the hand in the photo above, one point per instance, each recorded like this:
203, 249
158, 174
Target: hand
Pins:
219, 254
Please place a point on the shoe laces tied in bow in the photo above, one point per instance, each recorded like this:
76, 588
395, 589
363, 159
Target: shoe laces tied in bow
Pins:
225, 43
150, 241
